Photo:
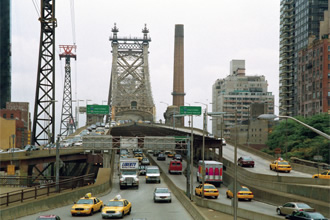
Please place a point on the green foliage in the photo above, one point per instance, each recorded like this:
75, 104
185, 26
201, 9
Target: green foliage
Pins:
301, 141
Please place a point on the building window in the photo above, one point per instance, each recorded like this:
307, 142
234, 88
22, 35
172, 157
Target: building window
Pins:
11, 116
4, 115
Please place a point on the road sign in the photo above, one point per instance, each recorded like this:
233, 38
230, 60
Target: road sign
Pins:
318, 157
98, 109
190, 110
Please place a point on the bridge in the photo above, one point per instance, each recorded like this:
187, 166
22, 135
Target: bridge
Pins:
130, 98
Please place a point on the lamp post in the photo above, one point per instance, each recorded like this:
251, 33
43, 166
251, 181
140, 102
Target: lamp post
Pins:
235, 169
189, 116
271, 117
57, 164
77, 111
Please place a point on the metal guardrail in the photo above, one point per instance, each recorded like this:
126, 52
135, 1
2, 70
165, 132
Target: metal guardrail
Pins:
46, 189
29, 181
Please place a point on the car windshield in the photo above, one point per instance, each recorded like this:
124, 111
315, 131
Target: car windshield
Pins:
303, 206
209, 187
85, 201
153, 171
244, 189
316, 215
129, 172
115, 203
283, 163
161, 190
142, 167
246, 158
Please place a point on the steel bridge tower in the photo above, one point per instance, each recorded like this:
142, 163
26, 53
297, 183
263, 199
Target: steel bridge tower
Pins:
130, 94
67, 121
44, 106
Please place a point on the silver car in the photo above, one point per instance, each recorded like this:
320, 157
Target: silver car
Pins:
162, 194
289, 207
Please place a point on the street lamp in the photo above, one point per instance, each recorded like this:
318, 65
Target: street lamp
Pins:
77, 111
272, 117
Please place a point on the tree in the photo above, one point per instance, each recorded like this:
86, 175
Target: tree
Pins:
300, 141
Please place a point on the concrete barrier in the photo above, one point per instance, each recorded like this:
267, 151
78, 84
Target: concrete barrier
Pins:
180, 195
102, 186
243, 213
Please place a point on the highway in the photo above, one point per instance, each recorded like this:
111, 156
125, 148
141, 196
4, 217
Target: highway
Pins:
180, 181
141, 199
261, 165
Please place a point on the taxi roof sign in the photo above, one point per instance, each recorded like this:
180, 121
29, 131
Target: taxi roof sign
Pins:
88, 195
117, 197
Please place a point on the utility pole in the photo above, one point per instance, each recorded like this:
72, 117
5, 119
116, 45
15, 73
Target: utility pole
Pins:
67, 120
44, 105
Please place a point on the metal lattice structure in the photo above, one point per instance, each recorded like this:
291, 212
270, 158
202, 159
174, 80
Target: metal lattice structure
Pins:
130, 94
44, 106
67, 121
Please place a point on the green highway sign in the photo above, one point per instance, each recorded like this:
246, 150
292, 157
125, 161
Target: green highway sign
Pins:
190, 110
98, 109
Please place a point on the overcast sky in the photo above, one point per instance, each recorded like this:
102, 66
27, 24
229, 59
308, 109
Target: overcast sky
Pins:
215, 32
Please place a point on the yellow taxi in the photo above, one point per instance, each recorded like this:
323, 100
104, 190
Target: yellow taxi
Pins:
138, 156
209, 190
171, 154
243, 193
87, 205
117, 207
323, 175
280, 165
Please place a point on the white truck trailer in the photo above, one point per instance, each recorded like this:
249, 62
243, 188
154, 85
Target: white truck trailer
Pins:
213, 172
128, 172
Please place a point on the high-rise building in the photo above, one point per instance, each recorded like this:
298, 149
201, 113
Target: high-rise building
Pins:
299, 20
235, 94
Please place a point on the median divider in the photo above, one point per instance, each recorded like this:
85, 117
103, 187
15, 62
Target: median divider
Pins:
180, 195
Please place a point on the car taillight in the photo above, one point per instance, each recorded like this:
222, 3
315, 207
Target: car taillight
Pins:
238, 193
205, 191
301, 210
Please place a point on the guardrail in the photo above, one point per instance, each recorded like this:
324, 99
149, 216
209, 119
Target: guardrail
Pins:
45, 190
29, 181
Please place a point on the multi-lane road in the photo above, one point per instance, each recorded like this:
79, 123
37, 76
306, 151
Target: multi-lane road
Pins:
143, 205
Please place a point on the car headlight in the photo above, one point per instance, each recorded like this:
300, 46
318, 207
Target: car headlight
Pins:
121, 179
146, 177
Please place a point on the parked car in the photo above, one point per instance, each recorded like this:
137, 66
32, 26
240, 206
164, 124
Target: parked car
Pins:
145, 161
162, 194
323, 175
245, 161
303, 215
161, 157
177, 157
100, 130
209, 190
175, 167
48, 217
289, 207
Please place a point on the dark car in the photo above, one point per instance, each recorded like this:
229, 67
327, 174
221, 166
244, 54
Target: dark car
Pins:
155, 153
161, 157
142, 170
303, 215
245, 161
177, 157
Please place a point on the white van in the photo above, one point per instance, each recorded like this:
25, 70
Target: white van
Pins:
152, 174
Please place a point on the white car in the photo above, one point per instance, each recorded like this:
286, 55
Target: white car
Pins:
162, 194
13, 150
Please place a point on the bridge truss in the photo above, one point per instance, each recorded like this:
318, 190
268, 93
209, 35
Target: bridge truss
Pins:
130, 94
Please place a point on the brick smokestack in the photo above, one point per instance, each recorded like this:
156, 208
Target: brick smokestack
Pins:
178, 74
